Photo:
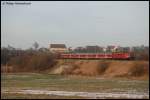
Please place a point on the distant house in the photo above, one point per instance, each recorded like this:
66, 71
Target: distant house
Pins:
58, 48
126, 49
80, 50
111, 48
94, 49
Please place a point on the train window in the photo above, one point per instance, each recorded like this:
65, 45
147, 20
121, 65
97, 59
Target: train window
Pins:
82, 55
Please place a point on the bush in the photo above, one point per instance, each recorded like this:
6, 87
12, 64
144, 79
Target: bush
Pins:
41, 61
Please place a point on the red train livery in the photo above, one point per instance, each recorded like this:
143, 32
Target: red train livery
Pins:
95, 56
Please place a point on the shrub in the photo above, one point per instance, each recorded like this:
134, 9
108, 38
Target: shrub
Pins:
42, 61
103, 66
137, 70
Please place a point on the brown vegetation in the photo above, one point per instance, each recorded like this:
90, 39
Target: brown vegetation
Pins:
126, 69
30, 63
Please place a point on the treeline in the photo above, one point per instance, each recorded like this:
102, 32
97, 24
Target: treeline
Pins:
27, 60
140, 54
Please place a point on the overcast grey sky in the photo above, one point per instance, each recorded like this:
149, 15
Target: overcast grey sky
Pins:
75, 23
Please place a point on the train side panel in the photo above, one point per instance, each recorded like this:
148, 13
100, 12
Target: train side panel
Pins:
96, 56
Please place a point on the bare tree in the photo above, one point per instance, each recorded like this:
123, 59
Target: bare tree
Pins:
36, 45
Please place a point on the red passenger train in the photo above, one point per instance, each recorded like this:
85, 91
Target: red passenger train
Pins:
95, 56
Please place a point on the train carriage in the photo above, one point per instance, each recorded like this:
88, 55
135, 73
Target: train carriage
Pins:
95, 56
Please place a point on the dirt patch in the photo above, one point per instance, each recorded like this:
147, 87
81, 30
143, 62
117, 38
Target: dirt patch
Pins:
87, 68
118, 69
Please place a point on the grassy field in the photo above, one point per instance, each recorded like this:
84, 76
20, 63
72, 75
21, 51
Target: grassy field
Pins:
34, 81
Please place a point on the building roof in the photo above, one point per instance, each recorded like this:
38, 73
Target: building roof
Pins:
92, 47
57, 46
111, 46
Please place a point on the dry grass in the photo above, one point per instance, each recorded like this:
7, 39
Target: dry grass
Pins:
127, 69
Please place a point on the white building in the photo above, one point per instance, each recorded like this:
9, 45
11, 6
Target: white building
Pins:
58, 48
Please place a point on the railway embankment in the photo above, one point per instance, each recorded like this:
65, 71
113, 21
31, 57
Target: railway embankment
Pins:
103, 68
